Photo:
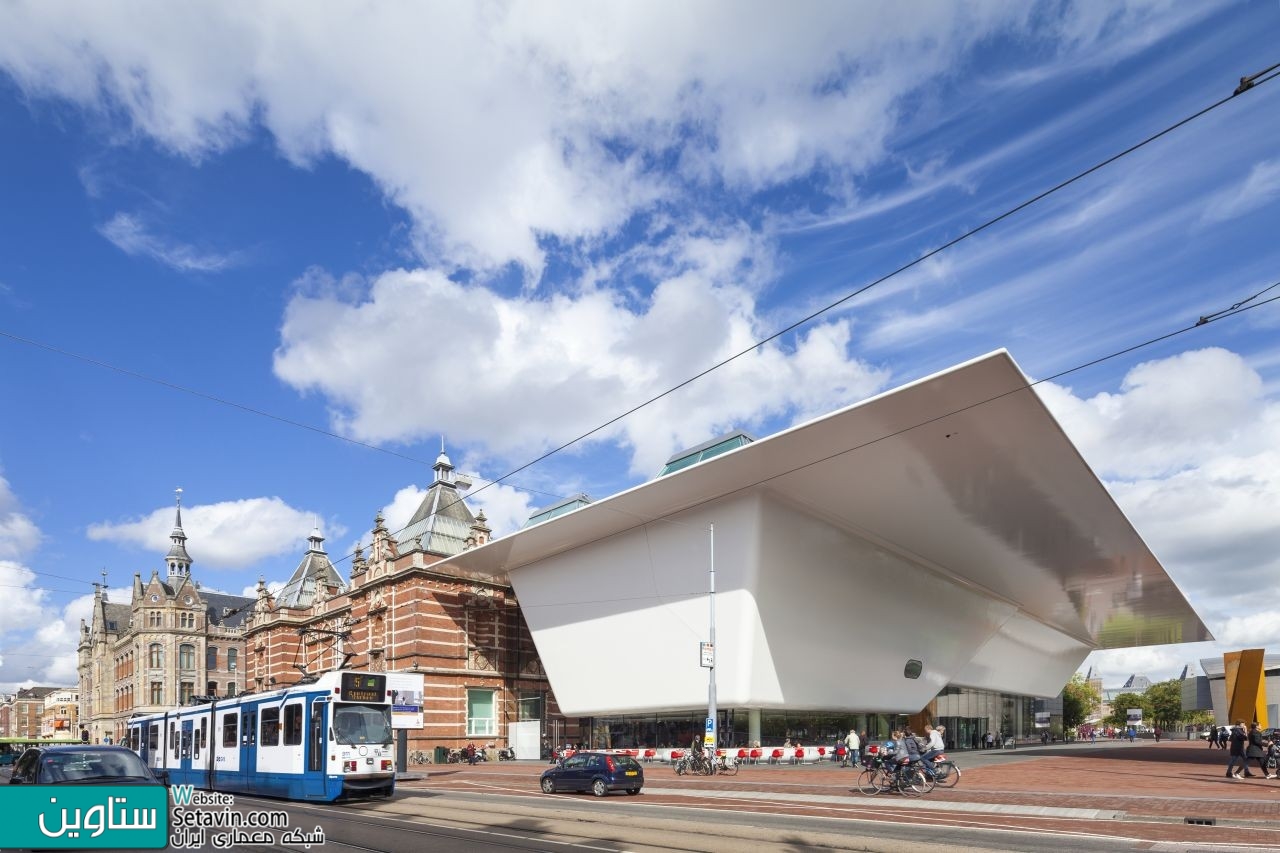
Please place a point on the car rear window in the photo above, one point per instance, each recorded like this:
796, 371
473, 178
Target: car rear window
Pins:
626, 762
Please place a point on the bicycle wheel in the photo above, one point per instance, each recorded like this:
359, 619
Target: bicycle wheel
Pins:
730, 769
919, 781
867, 783
948, 773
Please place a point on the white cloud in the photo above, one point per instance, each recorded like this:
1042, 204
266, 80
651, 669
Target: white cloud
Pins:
422, 355
131, 236
497, 125
19, 535
229, 535
1169, 415
1259, 188
25, 604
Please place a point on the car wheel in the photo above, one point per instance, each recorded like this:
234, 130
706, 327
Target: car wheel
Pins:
599, 788
548, 785
633, 791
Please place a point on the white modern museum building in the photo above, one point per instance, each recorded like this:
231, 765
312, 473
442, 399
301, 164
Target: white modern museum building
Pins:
941, 545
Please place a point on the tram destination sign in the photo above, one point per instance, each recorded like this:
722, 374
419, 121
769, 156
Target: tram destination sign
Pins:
362, 687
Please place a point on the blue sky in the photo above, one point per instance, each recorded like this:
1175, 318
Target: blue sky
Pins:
508, 223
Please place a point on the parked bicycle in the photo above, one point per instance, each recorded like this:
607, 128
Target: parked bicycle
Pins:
694, 763
725, 765
419, 756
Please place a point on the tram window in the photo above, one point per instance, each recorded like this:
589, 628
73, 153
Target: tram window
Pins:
293, 725
249, 728
204, 734
229, 724
173, 739
153, 737
270, 735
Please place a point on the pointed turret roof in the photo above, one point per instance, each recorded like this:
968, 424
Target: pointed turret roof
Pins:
443, 522
178, 560
313, 574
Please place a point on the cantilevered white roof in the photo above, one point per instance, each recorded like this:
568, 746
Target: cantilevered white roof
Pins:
959, 491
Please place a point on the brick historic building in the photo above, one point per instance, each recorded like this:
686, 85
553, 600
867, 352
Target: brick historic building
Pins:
398, 612
22, 713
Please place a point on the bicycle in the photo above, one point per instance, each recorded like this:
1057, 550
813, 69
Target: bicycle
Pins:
945, 772
883, 776
694, 763
725, 766
419, 756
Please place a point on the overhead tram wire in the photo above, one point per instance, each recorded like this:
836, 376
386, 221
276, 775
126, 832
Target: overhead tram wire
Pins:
1247, 84
1238, 308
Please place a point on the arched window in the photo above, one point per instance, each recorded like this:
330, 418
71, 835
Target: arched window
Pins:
155, 656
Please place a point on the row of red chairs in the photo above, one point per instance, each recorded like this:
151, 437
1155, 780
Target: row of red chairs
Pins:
777, 755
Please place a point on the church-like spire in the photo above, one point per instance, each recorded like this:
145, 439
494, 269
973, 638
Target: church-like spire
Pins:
178, 559
443, 467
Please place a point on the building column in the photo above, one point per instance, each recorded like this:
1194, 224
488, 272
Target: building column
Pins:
753, 725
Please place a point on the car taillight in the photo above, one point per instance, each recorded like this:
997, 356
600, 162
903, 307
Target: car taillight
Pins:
386, 764
608, 760
349, 766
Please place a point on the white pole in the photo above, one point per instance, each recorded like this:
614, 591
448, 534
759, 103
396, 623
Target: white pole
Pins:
711, 687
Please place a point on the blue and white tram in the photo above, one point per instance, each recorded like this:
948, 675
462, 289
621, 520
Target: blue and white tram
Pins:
321, 740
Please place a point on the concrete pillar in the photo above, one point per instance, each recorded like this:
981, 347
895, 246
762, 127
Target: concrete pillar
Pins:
753, 725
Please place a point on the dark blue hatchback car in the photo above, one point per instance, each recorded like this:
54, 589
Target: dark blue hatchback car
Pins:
597, 772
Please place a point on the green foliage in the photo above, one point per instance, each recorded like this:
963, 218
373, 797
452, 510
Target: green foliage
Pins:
1120, 708
1079, 700
1166, 703
1200, 719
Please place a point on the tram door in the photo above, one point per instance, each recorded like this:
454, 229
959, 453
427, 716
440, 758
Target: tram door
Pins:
248, 742
315, 754
184, 757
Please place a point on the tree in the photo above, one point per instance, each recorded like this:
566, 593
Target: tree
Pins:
1120, 708
1079, 700
1166, 703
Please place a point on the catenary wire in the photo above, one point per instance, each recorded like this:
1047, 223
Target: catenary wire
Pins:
1247, 84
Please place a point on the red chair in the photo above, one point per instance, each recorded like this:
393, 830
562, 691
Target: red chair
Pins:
822, 752
798, 758
776, 758
677, 754
743, 755
649, 754
756, 755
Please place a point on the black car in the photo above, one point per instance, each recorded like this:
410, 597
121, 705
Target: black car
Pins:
82, 765
597, 772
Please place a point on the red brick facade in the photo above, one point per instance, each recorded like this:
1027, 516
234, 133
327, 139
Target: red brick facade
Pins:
402, 614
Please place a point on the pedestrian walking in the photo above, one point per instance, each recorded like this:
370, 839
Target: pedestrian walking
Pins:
1257, 749
1156, 732
1238, 740
991, 741
854, 744
1213, 736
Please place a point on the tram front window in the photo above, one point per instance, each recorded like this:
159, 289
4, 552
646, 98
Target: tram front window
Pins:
357, 724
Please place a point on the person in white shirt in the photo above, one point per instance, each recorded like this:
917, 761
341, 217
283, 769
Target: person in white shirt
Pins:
936, 746
852, 744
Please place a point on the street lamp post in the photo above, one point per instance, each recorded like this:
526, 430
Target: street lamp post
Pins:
712, 720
